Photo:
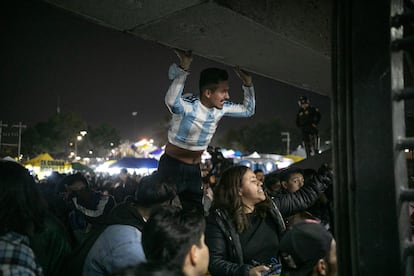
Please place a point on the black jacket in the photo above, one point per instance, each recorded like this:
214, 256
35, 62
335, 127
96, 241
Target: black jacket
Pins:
291, 203
226, 254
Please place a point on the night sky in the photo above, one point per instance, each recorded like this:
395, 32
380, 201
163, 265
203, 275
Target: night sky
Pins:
52, 57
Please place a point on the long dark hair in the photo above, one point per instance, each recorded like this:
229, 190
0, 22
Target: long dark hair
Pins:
226, 197
22, 208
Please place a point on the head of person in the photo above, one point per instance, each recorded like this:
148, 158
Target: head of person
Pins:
299, 216
308, 173
22, 208
75, 183
123, 174
239, 192
54, 178
214, 87
292, 179
259, 174
154, 191
308, 249
107, 187
175, 237
303, 102
272, 183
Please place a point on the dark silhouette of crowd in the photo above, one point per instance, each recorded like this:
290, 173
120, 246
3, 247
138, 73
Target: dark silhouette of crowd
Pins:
73, 225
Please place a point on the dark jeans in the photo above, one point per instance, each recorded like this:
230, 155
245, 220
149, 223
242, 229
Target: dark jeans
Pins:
187, 179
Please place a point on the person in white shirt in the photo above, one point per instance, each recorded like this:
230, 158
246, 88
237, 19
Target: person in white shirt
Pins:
194, 122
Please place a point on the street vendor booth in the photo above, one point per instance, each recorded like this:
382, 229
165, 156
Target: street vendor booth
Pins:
43, 165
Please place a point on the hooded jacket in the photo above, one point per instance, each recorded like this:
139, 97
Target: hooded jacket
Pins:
124, 214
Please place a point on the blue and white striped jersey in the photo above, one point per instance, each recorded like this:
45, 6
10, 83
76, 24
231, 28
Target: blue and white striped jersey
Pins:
193, 125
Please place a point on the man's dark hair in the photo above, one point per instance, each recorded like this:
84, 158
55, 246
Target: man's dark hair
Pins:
286, 173
210, 77
124, 171
169, 234
153, 190
22, 208
258, 170
271, 179
71, 179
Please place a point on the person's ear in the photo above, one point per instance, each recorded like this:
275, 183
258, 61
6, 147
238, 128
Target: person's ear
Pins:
320, 267
193, 255
208, 93
284, 184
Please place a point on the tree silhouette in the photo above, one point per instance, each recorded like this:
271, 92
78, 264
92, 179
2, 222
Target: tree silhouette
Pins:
264, 136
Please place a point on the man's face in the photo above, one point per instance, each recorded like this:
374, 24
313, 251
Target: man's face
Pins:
217, 97
123, 176
294, 183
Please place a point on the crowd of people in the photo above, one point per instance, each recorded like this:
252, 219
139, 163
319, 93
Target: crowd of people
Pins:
183, 219
248, 227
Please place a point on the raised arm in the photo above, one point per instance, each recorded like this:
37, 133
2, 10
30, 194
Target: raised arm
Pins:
185, 57
178, 74
246, 109
305, 197
244, 76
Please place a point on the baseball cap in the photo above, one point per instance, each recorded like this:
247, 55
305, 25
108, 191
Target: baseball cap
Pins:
303, 245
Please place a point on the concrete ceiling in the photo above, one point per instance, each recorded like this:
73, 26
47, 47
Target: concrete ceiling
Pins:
286, 40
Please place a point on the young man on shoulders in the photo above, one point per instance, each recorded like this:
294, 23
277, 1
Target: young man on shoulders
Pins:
194, 122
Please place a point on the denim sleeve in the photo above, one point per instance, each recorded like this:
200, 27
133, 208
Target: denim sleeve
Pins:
118, 247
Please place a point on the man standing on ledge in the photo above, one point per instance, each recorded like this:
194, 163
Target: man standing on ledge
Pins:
194, 122
307, 119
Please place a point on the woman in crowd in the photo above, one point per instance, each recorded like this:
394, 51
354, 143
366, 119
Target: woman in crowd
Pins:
243, 227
